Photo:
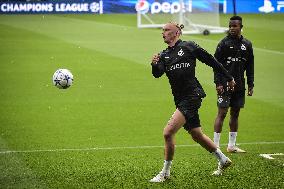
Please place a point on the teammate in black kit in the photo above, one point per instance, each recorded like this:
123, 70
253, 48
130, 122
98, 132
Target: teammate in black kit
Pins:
235, 53
178, 61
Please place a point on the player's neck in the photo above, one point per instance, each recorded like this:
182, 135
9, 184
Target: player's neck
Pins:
173, 42
236, 36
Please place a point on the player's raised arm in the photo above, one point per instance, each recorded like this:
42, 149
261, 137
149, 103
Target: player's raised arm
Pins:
158, 67
202, 55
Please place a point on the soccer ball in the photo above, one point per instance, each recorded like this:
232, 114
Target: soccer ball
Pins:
62, 78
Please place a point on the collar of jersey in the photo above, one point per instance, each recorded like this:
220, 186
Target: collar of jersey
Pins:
176, 44
239, 39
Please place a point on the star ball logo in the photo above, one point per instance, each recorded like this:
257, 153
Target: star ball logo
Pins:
142, 6
96, 7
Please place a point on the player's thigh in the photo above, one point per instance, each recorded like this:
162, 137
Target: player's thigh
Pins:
234, 112
238, 99
175, 123
222, 112
223, 100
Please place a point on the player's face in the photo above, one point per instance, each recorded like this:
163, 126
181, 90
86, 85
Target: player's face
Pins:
169, 33
235, 27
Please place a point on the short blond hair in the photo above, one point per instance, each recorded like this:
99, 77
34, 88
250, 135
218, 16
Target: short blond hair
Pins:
179, 26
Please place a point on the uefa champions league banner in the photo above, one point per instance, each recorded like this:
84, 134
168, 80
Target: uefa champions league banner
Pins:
100, 6
66, 6
132, 6
51, 6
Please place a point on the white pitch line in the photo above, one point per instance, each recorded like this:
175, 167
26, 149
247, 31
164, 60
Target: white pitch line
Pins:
121, 148
268, 156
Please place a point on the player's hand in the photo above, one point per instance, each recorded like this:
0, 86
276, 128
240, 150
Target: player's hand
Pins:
231, 85
250, 91
220, 89
155, 58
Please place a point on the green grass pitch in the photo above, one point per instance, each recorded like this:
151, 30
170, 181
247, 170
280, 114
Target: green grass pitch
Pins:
106, 130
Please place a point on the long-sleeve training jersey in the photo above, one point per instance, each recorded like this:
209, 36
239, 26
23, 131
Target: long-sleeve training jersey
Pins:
236, 55
178, 62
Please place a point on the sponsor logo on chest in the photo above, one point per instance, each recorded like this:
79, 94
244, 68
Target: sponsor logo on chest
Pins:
177, 66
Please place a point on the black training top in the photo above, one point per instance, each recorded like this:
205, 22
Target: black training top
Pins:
236, 55
178, 62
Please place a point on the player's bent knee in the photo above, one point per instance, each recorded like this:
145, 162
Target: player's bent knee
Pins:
167, 133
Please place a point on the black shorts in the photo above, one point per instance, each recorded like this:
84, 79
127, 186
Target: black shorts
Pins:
231, 99
189, 108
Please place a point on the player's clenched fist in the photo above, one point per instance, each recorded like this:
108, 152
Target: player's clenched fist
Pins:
155, 58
